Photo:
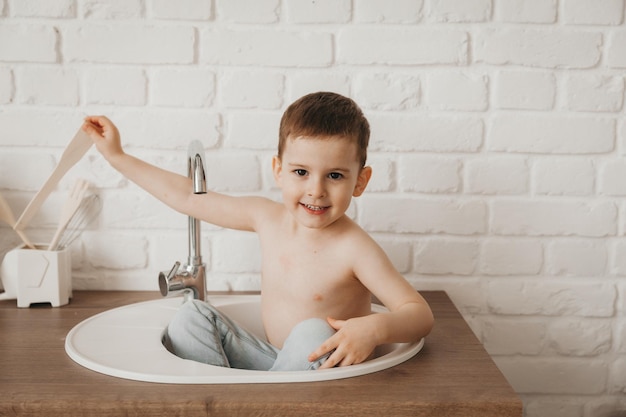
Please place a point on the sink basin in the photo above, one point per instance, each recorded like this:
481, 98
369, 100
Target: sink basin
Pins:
126, 342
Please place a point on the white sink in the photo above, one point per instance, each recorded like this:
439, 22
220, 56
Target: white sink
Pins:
126, 342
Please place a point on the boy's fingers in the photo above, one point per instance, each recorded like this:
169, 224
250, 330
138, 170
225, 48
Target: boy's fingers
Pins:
92, 120
335, 324
99, 121
98, 125
92, 129
88, 128
336, 359
326, 347
318, 353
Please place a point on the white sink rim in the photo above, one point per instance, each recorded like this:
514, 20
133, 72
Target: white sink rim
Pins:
102, 344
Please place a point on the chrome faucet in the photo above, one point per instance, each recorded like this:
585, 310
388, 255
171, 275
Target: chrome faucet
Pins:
191, 278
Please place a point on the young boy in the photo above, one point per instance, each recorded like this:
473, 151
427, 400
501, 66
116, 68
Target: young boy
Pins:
319, 268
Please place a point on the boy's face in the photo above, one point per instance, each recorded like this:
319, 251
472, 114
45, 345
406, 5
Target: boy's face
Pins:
318, 178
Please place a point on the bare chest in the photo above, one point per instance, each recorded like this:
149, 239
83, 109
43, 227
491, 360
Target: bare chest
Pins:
303, 277
306, 271
308, 281
297, 287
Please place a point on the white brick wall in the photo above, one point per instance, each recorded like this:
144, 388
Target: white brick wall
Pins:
498, 145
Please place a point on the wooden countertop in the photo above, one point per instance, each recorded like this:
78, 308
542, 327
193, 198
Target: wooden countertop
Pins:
452, 376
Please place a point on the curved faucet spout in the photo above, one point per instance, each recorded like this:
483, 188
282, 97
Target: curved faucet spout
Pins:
195, 167
191, 277
195, 171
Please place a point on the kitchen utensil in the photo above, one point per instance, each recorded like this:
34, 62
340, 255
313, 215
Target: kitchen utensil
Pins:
69, 209
71, 155
6, 214
36, 276
86, 213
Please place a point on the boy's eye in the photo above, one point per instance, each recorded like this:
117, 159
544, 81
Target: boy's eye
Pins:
300, 172
335, 176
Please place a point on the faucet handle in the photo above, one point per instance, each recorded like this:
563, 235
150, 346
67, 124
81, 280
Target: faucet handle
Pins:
173, 271
164, 280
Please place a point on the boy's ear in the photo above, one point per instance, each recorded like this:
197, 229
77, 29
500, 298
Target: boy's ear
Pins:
277, 169
362, 180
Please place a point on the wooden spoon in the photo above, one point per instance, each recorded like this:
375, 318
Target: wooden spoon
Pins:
6, 214
75, 150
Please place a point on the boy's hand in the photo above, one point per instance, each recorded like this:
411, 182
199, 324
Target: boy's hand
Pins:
104, 135
353, 343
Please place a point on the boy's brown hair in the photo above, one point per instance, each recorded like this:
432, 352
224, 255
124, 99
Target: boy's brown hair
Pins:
325, 114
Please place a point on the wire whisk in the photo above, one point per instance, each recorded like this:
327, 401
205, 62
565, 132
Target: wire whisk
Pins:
88, 210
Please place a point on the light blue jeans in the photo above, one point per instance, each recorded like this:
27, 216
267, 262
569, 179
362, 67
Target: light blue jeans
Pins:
202, 333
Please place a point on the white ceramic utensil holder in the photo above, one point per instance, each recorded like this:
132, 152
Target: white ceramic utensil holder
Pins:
37, 276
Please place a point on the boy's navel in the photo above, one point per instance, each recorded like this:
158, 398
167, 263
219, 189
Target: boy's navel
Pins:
317, 297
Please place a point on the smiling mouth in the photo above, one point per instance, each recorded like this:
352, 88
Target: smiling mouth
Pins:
314, 209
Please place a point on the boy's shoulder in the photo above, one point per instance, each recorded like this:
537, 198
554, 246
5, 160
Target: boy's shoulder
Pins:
354, 235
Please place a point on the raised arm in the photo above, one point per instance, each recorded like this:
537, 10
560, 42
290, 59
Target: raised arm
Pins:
172, 189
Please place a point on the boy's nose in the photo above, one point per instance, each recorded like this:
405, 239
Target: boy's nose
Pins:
316, 189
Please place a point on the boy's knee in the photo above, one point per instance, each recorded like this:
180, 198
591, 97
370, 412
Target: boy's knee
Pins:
196, 310
304, 338
315, 330
188, 319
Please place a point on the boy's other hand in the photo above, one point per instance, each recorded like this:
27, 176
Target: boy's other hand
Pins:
353, 343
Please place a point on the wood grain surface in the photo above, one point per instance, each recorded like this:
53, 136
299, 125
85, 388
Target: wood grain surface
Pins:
452, 376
